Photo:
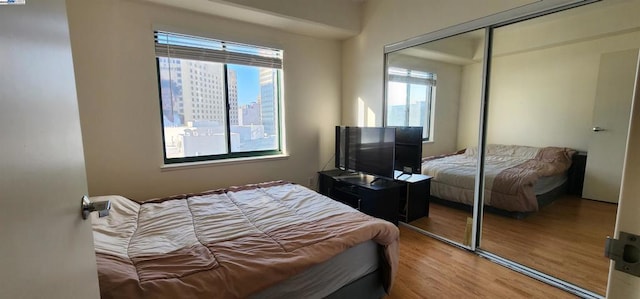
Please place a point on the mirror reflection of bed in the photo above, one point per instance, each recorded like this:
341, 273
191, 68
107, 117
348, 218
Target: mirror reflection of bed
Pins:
552, 80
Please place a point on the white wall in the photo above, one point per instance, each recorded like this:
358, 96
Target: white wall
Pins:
470, 99
546, 98
337, 13
542, 93
334, 19
113, 51
446, 103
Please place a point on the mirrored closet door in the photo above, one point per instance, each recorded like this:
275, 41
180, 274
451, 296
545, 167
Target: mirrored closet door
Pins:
559, 102
527, 126
439, 83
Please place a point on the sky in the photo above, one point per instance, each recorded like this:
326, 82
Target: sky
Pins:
397, 93
248, 83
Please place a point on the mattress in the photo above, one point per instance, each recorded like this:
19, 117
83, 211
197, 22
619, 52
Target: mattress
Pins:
321, 280
548, 183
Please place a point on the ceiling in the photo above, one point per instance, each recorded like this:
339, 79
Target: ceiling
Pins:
333, 19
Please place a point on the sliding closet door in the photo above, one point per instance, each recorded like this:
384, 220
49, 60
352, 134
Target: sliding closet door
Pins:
438, 85
543, 88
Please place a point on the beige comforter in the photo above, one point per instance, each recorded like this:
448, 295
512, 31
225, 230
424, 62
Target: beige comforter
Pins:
227, 243
510, 174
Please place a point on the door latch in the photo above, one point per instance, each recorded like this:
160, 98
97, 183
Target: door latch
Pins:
625, 251
87, 206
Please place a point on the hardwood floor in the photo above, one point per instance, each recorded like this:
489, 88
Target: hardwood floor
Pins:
445, 222
564, 239
433, 269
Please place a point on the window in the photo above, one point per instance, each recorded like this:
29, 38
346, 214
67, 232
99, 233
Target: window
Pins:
410, 96
242, 92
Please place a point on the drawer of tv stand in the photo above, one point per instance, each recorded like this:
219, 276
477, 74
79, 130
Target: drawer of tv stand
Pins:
352, 196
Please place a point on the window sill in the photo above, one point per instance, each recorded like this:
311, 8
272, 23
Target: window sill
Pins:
189, 165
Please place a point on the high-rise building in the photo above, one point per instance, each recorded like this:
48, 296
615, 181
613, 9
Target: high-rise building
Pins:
171, 91
195, 93
203, 92
233, 97
268, 101
250, 114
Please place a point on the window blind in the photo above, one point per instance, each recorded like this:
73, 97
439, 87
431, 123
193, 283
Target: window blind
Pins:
412, 77
175, 45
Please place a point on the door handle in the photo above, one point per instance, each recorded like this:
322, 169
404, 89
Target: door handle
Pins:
87, 206
597, 129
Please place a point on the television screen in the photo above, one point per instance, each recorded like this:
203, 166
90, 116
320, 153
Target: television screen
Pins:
408, 157
375, 151
370, 150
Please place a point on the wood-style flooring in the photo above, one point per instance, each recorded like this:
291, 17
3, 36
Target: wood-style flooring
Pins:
433, 269
564, 239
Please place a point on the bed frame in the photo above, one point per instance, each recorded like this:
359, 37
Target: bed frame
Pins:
368, 286
543, 200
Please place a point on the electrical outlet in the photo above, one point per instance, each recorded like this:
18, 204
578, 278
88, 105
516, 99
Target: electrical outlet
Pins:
310, 181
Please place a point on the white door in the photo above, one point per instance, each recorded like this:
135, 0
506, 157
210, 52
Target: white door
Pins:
605, 157
623, 285
46, 249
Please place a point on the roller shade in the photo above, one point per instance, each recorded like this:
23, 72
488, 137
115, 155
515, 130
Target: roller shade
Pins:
177, 45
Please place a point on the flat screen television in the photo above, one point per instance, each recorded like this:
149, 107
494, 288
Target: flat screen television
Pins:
369, 150
408, 158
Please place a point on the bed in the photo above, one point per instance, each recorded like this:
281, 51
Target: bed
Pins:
518, 179
269, 240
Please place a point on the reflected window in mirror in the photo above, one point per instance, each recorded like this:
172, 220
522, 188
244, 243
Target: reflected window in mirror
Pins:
410, 96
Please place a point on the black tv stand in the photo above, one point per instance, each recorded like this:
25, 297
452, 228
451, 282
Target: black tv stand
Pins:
404, 199
380, 199
403, 176
375, 180
414, 202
